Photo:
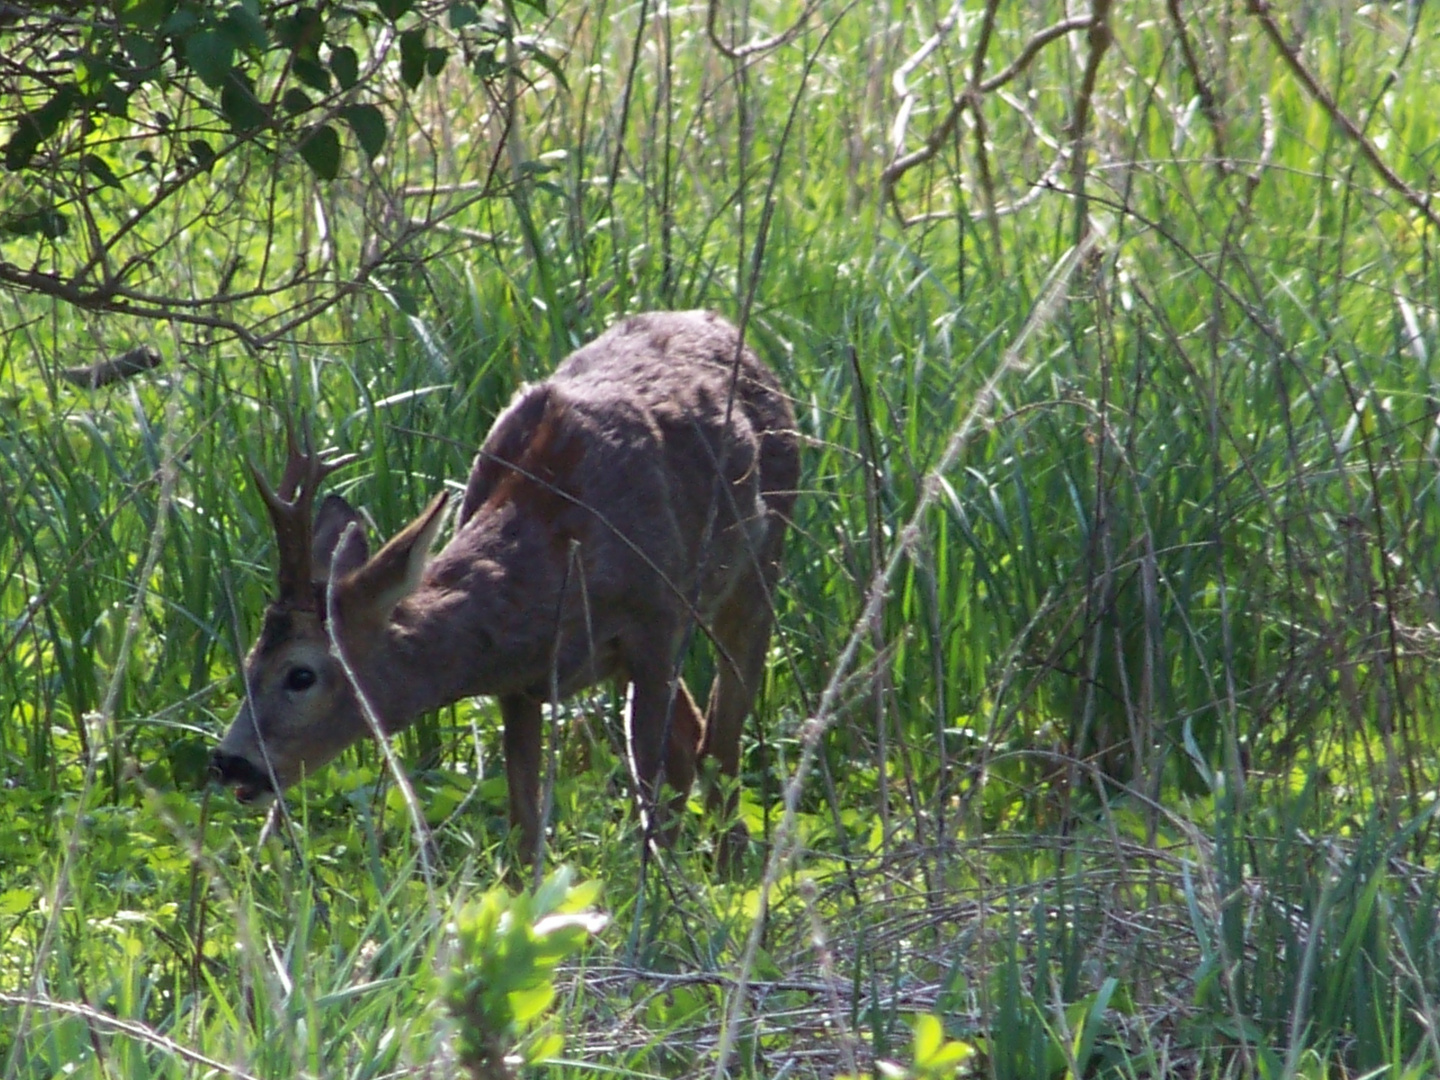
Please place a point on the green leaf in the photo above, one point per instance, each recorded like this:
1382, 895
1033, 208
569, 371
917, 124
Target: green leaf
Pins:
99, 168
296, 101
529, 1003
202, 152
92, 75
321, 151
463, 15
538, 5
346, 66
398, 292
143, 13
312, 74
31, 220
435, 60
412, 57
116, 101
33, 128
240, 105
368, 123
545, 1048
211, 55
141, 50
301, 32
550, 64
245, 28
179, 23
14, 901
394, 9
928, 1037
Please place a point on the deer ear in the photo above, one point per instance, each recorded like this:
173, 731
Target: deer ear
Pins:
334, 548
393, 573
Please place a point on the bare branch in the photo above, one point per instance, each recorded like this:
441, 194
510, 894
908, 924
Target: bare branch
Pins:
1419, 200
969, 97
733, 52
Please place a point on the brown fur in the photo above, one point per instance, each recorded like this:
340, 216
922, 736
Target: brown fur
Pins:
609, 506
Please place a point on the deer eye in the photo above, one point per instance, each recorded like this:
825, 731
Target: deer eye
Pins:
300, 678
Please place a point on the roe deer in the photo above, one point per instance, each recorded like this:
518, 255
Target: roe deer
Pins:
647, 482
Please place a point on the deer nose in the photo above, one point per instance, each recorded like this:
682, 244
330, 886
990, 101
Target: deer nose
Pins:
230, 769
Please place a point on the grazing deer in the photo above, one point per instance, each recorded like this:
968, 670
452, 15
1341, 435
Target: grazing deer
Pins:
646, 483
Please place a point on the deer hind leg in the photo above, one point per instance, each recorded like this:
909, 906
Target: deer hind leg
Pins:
521, 715
655, 711
742, 629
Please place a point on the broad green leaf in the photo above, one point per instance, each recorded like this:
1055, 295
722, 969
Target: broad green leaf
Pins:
240, 105
99, 168
412, 57
33, 128
142, 13
312, 74
435, 58
928, 1037
463, 15
296, 101
211, 55
545, 1048
246, 28
301, 32
529, 1003
368, 123
394, 9
115, 100
43, 221
180, 23
346, 66
202, 152
15, 901
92, 75
141, 50
321, 151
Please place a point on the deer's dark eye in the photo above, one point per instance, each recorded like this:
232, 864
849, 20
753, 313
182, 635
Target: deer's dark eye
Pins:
299, 678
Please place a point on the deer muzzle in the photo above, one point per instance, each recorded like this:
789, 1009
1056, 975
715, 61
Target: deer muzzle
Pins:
251, 784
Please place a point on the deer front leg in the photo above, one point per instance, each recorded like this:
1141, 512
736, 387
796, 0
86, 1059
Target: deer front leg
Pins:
651, 701
521, 715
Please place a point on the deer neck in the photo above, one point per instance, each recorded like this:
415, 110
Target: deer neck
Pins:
441, 646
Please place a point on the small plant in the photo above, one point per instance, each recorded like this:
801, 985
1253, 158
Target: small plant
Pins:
932, 1056
501, 980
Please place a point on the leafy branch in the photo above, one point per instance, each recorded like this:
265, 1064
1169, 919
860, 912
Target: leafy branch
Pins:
131, 129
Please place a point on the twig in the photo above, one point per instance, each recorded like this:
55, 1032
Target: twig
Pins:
1421, 202
903, 163
133, 1028
740, 52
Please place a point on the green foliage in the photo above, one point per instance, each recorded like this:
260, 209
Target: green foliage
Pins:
171, 101
501, 981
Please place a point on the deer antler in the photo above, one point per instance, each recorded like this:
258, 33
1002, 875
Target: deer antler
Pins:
291, 507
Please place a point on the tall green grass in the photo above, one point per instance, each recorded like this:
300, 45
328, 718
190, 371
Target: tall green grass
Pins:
1134, 773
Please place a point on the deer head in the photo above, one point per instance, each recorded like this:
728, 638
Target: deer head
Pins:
300, 708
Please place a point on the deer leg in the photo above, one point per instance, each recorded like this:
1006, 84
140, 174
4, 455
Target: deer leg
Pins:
521, 715
742, 628
651, 701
